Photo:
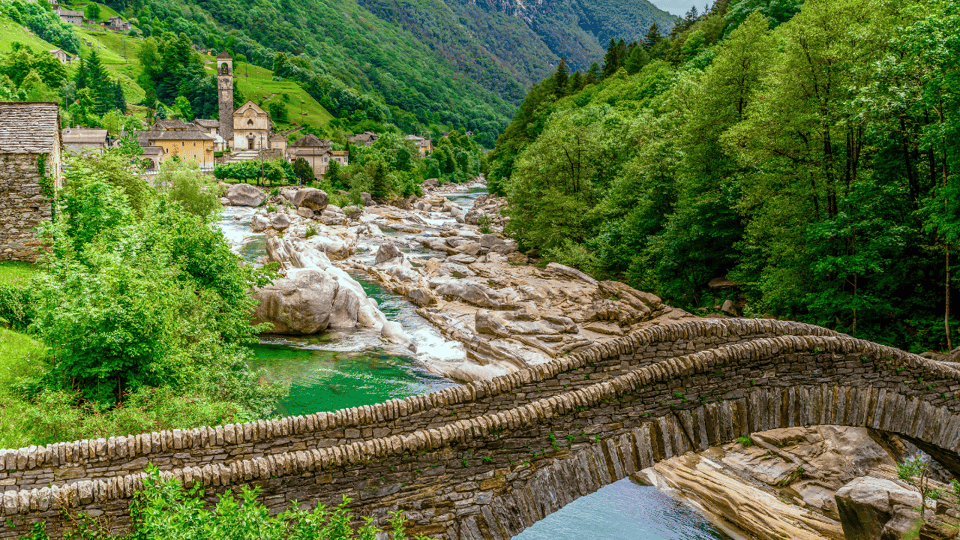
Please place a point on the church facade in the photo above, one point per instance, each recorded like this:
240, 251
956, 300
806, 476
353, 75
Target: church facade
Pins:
251, 128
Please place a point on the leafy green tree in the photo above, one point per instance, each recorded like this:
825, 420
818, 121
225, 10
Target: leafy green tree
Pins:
184, 108
380, 186
92, 11
304, 172
184, 184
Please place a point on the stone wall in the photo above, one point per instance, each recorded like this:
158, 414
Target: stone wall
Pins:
538, 445
22, 207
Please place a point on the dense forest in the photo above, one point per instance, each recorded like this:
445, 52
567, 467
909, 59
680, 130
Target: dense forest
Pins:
805, 151
423, 63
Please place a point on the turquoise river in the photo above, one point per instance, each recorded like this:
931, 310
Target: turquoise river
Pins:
335, 371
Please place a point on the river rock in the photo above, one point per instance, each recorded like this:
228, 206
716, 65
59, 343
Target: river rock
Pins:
367, 199
603, 327
305, 212
299, 304
279, 221
457, 213
571, 272
868, 504
288, 194
312, 198
422, 297
431, 183
470, 248
353, 212
259, 223
471, 293
463, 258
245, 195
386, 253
328, 217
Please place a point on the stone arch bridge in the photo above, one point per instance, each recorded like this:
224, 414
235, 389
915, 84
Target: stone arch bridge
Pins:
487, 459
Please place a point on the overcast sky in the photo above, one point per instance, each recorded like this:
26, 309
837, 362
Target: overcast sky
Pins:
680, 7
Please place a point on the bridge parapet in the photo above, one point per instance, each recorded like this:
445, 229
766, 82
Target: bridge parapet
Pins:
491, 475
65, 463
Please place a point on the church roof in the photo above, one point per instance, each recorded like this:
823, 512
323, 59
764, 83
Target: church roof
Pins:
247, 106
29, 128
224, 56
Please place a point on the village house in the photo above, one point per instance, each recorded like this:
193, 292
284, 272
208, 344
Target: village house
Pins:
424, 145
366, 138
317, 152
76, 139
174, 124
118, 24
63, 56
30, 172
70, 17
152, 157
188, 145
212, 127
251, 128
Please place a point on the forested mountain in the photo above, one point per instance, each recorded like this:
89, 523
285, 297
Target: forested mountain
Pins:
454, 63
806, 151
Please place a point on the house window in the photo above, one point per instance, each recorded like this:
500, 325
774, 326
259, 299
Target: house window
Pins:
182, 143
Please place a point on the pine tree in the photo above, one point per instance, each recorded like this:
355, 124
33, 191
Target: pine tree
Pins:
593, 74
610, 63
636, 59
576, 82
119, 101
561, 79
653, 37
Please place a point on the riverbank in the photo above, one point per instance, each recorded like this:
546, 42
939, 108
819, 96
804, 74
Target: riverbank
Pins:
444, 255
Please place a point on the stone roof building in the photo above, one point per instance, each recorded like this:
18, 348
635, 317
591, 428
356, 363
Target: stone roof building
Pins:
188, 145
366, 138
76, 139
173, 124
70, 17
118, 24
30, 172
317, 152
63, 56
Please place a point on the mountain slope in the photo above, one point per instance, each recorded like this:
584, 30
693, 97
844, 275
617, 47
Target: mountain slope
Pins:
457, 63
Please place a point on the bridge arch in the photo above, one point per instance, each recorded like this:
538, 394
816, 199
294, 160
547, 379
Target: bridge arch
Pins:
521, 457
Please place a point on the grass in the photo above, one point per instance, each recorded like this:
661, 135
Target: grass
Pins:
257, 85
13, 273
19, 357
11, 31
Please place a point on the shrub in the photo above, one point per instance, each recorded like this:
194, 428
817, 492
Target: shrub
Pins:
17, 306
745, 441
165, 509
185, 184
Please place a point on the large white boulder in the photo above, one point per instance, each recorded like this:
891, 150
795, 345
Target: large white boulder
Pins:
245, 195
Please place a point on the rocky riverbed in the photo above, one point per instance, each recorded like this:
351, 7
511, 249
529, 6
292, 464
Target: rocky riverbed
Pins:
479, 290
468, 281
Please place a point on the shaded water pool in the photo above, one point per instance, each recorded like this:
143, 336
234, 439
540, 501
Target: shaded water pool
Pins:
623, 511
322, 380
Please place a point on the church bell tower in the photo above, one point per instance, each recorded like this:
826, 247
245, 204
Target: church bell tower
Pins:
225, 95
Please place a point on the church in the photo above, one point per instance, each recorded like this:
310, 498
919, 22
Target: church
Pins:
247, 128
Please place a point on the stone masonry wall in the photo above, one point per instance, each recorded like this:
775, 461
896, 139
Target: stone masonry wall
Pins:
491, 475
65, 463
22, 207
